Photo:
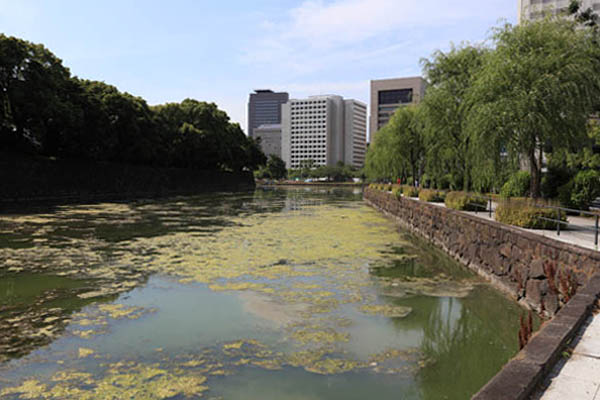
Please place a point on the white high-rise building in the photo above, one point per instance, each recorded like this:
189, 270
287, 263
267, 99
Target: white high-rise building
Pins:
324, 129
537, 9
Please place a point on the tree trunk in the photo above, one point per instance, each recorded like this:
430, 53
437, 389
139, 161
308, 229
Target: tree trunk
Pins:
536, 174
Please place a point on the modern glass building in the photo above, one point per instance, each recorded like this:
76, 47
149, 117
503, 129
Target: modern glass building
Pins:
264, 108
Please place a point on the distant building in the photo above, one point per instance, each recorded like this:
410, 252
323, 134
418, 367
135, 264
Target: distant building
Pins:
537, 9
325, 130
389, 94
270, 139
264, 108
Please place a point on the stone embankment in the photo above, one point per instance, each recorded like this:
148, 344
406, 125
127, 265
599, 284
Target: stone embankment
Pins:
554, 278
37, 179
539, 271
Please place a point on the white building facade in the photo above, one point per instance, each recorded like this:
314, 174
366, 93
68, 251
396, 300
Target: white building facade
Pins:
323, 130
537, 9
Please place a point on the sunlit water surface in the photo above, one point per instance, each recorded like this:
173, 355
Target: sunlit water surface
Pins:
276, 294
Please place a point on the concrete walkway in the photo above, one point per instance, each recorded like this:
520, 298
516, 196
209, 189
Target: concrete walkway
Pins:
578, 376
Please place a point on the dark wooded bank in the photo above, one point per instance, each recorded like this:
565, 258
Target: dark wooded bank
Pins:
26, 179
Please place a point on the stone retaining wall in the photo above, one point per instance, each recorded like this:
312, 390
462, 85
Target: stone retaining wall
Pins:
30, 179
538, 271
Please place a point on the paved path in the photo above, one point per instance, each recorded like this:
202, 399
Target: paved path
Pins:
577, 377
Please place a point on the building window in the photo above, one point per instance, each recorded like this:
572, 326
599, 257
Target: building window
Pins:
399, 96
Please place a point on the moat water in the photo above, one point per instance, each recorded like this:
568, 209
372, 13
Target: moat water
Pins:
274, 294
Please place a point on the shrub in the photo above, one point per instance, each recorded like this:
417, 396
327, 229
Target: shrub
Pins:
564, 195
464, 201
410, 191
397, 191
517, 185
526, 214
431, 195
553, 179
443, 182
581, 190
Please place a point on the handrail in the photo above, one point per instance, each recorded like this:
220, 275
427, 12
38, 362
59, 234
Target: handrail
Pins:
568, 209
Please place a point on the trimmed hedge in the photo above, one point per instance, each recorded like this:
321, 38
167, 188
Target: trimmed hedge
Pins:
464, 201
432, 196
525, 213
410, 191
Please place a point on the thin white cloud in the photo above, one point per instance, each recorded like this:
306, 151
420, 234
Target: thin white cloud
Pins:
318, 34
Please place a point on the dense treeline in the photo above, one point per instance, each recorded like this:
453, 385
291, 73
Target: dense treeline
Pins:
525, 102
45, 110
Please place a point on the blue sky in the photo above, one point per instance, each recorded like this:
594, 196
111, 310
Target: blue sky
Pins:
220, 51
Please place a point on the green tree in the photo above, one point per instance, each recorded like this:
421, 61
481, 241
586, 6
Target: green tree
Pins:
32, 85
444, 113
276, 167
538, 87
397, 150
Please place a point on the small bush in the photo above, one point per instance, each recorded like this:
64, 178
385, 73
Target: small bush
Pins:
517, 185
410, 191
397, 191
432, 196
581, 190
526, 214
553, 179
465, 201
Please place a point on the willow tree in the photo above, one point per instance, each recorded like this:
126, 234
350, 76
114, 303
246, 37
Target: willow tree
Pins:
536, 88
397, 149
445, 109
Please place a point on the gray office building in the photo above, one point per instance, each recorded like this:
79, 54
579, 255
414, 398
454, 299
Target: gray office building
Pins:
270, 139
389, 94
537, 9
264, 108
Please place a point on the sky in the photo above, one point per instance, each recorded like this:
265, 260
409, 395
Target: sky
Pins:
220, 51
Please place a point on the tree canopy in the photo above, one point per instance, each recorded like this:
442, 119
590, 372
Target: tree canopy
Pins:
523, 100
538, 87
47, 111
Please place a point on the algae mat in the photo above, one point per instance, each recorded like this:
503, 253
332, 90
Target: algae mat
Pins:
273, 294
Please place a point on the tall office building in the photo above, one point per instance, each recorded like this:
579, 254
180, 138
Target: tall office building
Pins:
264, 108
325, 129
537, 9
270, 139
389, 94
